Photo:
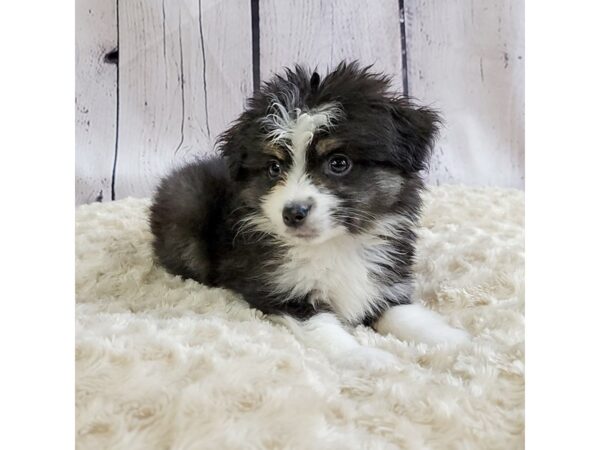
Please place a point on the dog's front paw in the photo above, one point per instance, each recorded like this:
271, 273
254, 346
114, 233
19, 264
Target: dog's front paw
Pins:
449, 335
366, 358
418, 324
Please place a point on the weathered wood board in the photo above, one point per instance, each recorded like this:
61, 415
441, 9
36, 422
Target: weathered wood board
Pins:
466, 58
185, 69
322, 33
95, 99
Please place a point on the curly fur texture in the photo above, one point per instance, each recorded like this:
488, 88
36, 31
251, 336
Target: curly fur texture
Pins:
167, 363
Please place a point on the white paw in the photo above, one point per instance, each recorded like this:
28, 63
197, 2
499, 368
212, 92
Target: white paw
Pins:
451, 336
457, 336
366, 358
416, 323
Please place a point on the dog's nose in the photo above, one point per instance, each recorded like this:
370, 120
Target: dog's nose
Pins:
294, 214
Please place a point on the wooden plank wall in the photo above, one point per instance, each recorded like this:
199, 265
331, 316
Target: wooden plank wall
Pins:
95, 99
158, 80
467, 59
184, 72
322, 34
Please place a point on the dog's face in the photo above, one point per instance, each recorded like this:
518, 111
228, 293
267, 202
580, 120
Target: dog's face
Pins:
317, 159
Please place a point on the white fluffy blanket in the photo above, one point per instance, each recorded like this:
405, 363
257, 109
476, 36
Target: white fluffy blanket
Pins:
169, 364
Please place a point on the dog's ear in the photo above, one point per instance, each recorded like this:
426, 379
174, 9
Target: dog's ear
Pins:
231, 146
315, 80
415, 130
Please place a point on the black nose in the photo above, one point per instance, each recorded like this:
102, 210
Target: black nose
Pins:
295, 213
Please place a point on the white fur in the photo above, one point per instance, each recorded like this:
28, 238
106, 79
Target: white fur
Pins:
292, 127
418, 324
167, 363
339, 273
326, 333
336, 273
323, 331
295, 130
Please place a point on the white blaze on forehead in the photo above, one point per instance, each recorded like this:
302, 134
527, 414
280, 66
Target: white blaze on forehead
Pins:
300, 137
295, 129
295, 132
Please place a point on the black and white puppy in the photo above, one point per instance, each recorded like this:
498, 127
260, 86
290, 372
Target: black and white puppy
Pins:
311, 210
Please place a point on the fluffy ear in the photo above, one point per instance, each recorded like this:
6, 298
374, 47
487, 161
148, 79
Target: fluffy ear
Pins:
315, 80
416, 129
232, 148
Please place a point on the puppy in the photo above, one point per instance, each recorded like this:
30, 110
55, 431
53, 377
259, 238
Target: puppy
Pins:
310, 211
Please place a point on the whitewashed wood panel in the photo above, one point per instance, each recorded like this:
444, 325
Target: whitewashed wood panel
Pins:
185, 69
467, 59
325, 32
184, 73
95, 99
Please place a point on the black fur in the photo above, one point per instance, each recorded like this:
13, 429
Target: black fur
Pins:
197, 210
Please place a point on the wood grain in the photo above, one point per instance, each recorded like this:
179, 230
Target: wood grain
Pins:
95, 99
322, 33
185, 71
467, 59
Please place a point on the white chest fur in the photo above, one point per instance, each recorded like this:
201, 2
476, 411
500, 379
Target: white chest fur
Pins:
339, 273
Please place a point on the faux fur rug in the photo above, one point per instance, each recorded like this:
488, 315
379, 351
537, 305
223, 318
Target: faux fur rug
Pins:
169, 364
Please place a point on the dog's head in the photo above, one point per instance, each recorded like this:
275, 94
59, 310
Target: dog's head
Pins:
316, 158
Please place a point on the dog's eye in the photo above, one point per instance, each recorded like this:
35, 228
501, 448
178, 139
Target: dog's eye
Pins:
274, 170
339, 164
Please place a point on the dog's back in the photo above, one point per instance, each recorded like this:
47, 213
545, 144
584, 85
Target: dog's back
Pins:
185, 216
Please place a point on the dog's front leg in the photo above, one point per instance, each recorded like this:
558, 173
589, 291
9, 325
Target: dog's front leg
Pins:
414, 322
325, 332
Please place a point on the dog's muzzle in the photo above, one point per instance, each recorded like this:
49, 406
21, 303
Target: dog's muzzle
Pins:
295, 214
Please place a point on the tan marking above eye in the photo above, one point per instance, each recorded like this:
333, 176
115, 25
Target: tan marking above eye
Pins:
327, 145
273, 150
